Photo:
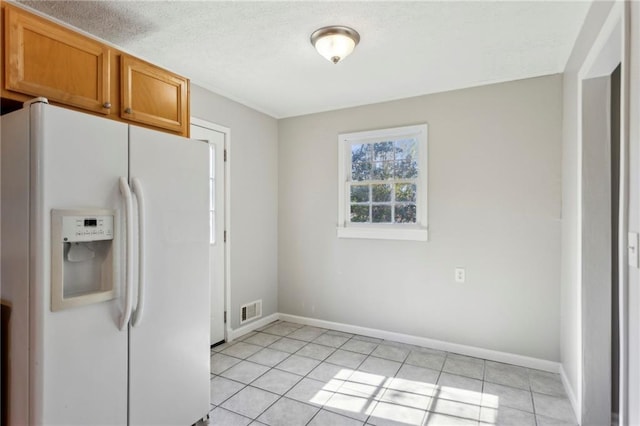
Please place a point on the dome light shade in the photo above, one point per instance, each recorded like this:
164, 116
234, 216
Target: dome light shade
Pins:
335, 43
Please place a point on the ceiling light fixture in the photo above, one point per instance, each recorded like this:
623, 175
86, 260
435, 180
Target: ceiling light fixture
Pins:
335, 42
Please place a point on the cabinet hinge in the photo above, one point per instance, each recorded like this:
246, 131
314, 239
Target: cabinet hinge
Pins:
225, 236
225, 155
225, 317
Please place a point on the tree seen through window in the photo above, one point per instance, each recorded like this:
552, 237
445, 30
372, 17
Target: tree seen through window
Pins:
383, 182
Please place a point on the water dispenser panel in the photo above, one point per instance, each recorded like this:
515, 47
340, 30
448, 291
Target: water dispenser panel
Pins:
84, 249
87, 228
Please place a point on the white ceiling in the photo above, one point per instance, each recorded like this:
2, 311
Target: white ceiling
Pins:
259, 54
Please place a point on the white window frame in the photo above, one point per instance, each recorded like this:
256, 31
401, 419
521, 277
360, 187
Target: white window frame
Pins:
399, 231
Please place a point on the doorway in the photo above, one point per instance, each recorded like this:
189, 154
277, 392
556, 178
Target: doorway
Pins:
217, 137
602, 346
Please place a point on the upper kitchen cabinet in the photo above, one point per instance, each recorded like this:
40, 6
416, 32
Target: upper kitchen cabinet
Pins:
45, 59
153, 96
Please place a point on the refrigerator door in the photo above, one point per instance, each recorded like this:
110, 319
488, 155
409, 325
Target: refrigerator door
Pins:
78, 356
169, 333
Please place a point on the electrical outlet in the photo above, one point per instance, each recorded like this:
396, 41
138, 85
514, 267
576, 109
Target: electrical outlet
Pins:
459, 275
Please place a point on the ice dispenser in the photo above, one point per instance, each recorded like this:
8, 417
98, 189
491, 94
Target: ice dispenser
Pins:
82, 257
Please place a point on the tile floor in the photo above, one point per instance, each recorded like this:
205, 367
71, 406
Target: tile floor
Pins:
288, 374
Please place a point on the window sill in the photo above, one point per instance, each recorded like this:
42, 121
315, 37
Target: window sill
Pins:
413, 234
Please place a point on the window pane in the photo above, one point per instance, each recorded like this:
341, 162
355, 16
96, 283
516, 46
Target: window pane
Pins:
359, 193
406, 169
406, 148
212, 194
406, 192
383, 170
381, 214
212, 227
361, 152
360, 171
381, 193
359, 213
383, 151
212, 160
405, 213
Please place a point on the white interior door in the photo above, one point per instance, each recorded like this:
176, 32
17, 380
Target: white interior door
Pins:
216, 140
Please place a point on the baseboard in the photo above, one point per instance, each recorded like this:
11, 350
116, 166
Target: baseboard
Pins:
506, 357
570, 394
233, 334
524, 361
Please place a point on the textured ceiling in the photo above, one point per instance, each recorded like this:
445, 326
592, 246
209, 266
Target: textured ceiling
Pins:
258, 53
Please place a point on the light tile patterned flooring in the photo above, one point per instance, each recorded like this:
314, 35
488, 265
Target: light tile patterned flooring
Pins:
288, 374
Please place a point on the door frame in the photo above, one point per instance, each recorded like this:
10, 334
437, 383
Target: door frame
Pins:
610, 48
227, 213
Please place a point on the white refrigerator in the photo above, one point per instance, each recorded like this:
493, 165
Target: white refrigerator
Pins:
104, 242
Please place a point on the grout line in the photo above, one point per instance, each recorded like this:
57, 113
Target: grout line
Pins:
232, 412
231, 396
533, 405
314, 416
269, 406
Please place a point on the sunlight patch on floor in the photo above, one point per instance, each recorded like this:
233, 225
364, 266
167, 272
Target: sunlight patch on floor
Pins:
359, 394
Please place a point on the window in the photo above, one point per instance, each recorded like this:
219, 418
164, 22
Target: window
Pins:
383, 184
212, 194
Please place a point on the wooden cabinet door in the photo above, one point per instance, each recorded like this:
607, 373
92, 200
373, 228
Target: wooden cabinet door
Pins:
45, 59
153, 96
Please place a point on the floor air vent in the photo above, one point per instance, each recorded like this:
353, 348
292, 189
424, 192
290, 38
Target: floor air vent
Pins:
250, 311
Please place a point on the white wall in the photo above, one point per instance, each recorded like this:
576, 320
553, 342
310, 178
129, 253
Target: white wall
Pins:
253, 234
494, 208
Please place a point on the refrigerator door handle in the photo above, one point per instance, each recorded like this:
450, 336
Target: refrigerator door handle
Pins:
128, 208
139, 193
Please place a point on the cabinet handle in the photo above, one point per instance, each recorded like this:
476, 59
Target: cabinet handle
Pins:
107, 105
127, 111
